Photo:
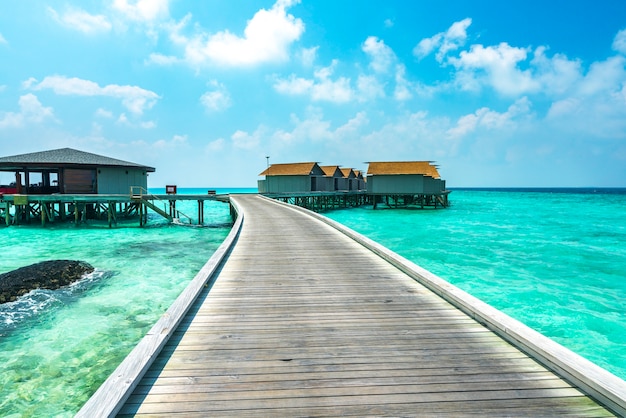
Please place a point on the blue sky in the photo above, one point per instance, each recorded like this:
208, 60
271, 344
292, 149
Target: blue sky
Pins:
519, 93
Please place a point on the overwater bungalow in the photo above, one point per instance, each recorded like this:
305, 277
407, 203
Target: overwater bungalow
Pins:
70, 171
67, 183
406, 183
293, 177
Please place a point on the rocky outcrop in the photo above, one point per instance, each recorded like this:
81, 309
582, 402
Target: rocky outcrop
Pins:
45, 275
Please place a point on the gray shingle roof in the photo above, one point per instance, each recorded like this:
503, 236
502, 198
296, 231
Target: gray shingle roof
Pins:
67, 156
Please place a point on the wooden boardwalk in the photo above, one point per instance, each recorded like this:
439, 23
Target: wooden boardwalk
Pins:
304, 321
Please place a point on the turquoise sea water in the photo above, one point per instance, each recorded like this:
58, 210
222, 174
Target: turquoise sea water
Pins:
554, 260
57, 347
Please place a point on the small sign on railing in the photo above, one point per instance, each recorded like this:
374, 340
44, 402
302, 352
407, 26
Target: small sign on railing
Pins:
170, 189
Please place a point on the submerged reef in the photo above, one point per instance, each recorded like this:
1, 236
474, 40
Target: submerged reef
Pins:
51, 275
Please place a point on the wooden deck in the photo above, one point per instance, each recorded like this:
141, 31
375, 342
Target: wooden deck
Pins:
302, 320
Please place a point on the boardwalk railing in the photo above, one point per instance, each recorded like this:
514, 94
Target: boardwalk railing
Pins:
112, 394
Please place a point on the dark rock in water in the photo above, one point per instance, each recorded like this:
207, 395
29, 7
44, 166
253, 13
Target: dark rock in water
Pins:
45, 275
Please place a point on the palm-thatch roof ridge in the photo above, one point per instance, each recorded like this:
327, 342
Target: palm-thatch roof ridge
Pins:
425, 168
290, 169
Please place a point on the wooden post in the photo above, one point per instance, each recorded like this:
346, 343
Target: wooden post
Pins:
110, 209
7, 213
200, 212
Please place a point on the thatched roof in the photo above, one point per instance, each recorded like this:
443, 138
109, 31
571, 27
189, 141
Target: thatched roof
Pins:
348, 173
425, 168
331, 170
64, 157
292, 169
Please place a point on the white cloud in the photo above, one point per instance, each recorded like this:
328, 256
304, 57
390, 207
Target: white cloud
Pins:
321, 88
160, 59
352, 127
383, 61
596, 103
490, 119
244, 140
382, 57
123, 120
103, 113
294, 85
31, 110
337, 91
134, 98
314, 129
556, 75
82, 21
402, 91
427, 45
444, 42
217, 99
369, 88
496, 66
266, 38
216, 145
142, 10
619, 42
604, 77
3, 40
308, 56
177, 141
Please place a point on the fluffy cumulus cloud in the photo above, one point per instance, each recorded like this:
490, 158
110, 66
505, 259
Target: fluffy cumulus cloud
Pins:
495, 66
134, 98
444, 42
81, 20
266, 38
217, 98
382, 57
31, 111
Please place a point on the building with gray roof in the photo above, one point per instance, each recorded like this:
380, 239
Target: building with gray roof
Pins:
70, 171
